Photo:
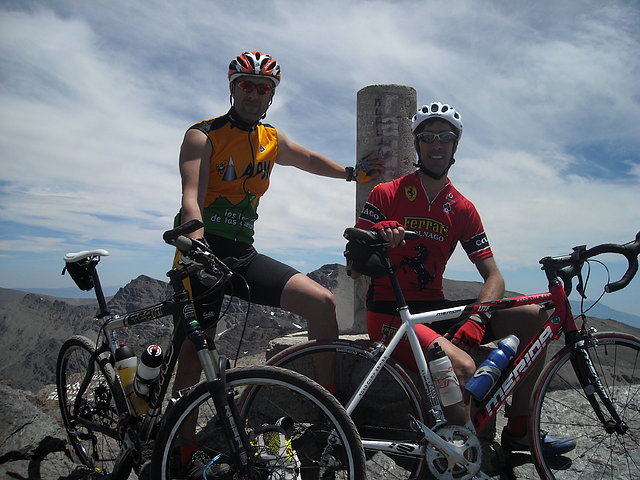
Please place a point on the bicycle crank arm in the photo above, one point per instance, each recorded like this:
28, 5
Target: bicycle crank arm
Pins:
453, 454
398, 448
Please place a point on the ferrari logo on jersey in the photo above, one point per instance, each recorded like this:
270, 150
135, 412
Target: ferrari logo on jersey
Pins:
426, 225
411, 192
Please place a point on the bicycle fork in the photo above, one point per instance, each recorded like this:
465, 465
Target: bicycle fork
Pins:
591, 385
214, 368
230, 419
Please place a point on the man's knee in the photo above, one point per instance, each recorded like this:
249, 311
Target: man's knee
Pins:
464, 367
467, 369
326, 301
308, 298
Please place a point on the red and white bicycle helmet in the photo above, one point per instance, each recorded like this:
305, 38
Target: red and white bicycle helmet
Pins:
254, 63
437, 110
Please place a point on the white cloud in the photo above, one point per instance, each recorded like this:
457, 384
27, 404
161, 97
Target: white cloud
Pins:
535, 205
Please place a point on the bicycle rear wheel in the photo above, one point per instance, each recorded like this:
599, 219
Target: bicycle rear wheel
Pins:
91, 416
382, 414
560, 406
318, 439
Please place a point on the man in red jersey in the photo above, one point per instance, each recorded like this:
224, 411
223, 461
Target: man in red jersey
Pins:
427, 202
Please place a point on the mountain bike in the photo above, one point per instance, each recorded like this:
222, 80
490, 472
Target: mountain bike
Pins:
589, 390
251, 423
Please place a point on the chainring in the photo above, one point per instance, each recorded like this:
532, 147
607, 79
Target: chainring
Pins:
466, 443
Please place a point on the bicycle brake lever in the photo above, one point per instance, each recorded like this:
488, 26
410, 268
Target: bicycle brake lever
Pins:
566, 275
580, 286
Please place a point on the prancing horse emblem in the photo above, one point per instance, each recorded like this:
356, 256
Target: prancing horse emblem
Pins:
411, 193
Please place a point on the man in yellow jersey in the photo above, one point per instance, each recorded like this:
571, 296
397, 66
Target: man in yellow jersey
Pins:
225, 165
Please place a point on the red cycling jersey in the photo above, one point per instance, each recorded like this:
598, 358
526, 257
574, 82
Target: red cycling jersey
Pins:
441, 223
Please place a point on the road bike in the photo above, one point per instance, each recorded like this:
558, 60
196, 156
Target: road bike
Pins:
249, 423
589, 390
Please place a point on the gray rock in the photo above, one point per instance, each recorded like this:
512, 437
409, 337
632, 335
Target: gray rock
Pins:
32, 443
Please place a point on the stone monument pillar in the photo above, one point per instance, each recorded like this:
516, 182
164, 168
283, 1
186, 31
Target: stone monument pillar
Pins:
384, 127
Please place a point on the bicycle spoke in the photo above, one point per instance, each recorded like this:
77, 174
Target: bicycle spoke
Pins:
601, 451
92, 419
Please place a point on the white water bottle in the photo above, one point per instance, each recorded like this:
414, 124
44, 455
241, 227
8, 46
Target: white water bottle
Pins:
147, 372
444, 377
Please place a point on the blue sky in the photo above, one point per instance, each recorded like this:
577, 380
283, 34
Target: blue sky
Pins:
95, 98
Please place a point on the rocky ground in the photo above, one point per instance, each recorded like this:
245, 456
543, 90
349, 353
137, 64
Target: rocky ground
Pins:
33, 444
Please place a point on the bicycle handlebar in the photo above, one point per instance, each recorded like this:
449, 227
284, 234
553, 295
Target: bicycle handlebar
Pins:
566, 267
371, 238
569, 266
212, 270
170, 236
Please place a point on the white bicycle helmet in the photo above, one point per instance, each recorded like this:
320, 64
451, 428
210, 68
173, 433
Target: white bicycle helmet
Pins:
255, 63
437, 110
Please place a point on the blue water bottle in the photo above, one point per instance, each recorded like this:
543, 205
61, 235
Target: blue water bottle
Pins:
490, 370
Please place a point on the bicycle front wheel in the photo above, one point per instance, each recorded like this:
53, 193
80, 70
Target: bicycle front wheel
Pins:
91, 401
560, 406
382, 415
295, 429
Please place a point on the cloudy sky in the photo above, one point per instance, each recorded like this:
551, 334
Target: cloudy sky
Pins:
95, 98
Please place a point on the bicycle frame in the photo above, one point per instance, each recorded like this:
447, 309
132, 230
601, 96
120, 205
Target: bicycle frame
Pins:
182, 310
206, 415
561, 318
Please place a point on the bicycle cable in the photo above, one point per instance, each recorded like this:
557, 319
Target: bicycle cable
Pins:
231, 296
246, 318
583, 297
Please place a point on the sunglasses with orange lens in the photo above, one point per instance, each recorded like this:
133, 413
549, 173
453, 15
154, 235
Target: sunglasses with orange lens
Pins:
247, 87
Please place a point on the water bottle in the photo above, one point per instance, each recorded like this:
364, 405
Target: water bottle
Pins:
126, 363
490, 370
444, 376
146, 373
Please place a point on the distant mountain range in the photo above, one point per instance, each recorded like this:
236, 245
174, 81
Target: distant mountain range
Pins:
600, 310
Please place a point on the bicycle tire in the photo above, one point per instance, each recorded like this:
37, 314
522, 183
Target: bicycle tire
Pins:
92, 427
392, 391
560, 406
263, 395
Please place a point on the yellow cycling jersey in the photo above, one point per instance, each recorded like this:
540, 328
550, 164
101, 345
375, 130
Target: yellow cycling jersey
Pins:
239, 172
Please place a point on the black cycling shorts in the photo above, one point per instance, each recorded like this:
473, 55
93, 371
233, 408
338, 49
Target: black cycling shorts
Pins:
265, 277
